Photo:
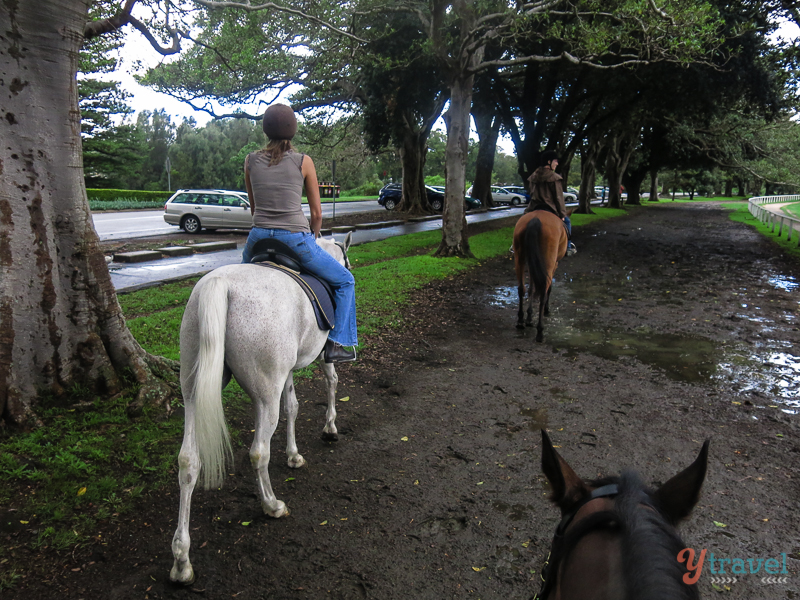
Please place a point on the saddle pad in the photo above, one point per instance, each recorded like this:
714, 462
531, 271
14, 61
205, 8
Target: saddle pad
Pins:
318, 292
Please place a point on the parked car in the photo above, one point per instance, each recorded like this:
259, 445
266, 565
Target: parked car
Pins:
391, 194
571, 196
519, 191
193, 210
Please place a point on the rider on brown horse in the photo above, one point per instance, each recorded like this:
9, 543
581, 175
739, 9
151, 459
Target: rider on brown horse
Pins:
547, 193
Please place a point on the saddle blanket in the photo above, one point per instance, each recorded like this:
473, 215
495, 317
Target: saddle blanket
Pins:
319, 293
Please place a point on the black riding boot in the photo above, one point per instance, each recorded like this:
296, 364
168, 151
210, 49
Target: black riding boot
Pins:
335, 353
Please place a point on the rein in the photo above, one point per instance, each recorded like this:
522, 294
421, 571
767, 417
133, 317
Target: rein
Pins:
557, 551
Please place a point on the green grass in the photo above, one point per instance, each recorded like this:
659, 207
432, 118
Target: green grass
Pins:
90, 462
793, 210
741, 214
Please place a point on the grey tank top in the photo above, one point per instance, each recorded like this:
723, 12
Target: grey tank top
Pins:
277, 192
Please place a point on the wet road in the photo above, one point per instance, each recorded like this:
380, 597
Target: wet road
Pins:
145, 223
140, 275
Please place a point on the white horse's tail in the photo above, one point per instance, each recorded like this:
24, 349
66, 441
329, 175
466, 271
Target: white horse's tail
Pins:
211, 431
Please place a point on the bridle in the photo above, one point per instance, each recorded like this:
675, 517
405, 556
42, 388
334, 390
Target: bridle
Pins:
557, 550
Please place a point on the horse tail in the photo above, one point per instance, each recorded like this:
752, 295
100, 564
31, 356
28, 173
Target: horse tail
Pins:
533, 255
211, 431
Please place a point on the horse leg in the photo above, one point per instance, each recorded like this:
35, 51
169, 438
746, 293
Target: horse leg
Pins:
296, 460
266, 422
189, 469
539, 325
531, 295
329, 433
520, 312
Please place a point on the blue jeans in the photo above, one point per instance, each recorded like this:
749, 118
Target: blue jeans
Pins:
324, 266
568, 225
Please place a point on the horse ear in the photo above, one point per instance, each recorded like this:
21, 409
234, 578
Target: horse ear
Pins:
570, 211
567, 487
347, 240
678, 496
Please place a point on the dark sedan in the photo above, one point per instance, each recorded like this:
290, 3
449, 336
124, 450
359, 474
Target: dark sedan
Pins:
391, 194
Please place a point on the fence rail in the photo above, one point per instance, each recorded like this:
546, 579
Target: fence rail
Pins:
777, 221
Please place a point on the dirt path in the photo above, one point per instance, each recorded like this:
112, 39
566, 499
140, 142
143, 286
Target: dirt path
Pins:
671, 325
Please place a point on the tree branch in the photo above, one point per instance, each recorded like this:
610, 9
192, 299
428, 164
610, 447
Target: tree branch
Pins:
215, 4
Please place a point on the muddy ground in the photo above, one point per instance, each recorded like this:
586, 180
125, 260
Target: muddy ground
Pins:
672, 325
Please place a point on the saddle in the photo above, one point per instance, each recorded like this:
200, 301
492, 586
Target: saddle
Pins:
274, 254
548, 208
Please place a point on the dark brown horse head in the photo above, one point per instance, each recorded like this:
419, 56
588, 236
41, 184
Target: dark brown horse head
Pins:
617, 538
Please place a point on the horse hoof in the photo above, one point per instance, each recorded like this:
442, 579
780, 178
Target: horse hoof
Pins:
539, 337
183, 576
520, 326
529, 324
330, 437
281, 511
296, 462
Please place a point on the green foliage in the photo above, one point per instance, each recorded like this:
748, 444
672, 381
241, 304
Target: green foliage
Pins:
107, 195
124, 204
111, 149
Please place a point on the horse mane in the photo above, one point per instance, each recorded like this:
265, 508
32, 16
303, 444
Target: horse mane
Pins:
650, 546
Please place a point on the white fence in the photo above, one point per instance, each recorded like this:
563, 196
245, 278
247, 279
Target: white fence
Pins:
779, 222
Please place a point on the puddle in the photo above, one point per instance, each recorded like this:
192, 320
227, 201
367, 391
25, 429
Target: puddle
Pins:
538, 418
787, 283
504, 296
773, 374
690, 359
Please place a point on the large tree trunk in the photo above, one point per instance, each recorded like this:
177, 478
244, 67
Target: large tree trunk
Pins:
588, 174
455, 240
619, 153
60, 323
412, 155
488, 126
633, 184
653, 197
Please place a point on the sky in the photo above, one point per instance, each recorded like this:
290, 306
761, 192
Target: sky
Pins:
137, 48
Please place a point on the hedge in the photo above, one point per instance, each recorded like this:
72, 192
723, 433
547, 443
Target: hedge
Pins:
141, 195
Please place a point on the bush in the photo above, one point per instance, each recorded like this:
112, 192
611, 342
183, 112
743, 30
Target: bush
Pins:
370, 188
133, 195
124, 204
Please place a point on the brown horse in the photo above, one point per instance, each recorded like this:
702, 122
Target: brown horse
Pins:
540, 241
617, 538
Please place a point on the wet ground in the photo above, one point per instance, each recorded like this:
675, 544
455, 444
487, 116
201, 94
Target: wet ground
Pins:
671, 326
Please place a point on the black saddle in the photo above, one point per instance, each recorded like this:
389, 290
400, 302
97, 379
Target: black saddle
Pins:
272, 250
269, 252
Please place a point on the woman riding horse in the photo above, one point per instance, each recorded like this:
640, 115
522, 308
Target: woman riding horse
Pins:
546, 188
274, 178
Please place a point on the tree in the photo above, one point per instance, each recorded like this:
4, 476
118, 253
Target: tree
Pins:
111, 152
60, 323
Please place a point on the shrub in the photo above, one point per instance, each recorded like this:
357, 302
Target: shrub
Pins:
133, 195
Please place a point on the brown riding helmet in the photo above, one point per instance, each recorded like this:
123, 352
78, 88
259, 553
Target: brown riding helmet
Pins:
279, 122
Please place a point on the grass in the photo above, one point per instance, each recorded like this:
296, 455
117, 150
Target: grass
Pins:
89, 462
741, 214
793, 210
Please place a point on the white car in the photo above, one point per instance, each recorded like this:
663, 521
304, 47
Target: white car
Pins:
193, 210
507, 196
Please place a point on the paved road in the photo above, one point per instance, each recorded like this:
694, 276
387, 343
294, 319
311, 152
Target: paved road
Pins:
146, 223
141, 275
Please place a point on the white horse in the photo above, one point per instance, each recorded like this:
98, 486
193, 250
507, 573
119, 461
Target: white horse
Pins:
258, 325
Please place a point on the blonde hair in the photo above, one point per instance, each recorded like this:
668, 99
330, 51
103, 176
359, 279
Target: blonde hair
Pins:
276, 149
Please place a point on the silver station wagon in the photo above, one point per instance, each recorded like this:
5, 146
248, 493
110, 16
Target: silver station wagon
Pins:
193, 210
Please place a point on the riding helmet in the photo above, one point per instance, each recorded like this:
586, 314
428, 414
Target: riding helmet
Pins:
547, 157
279, 122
